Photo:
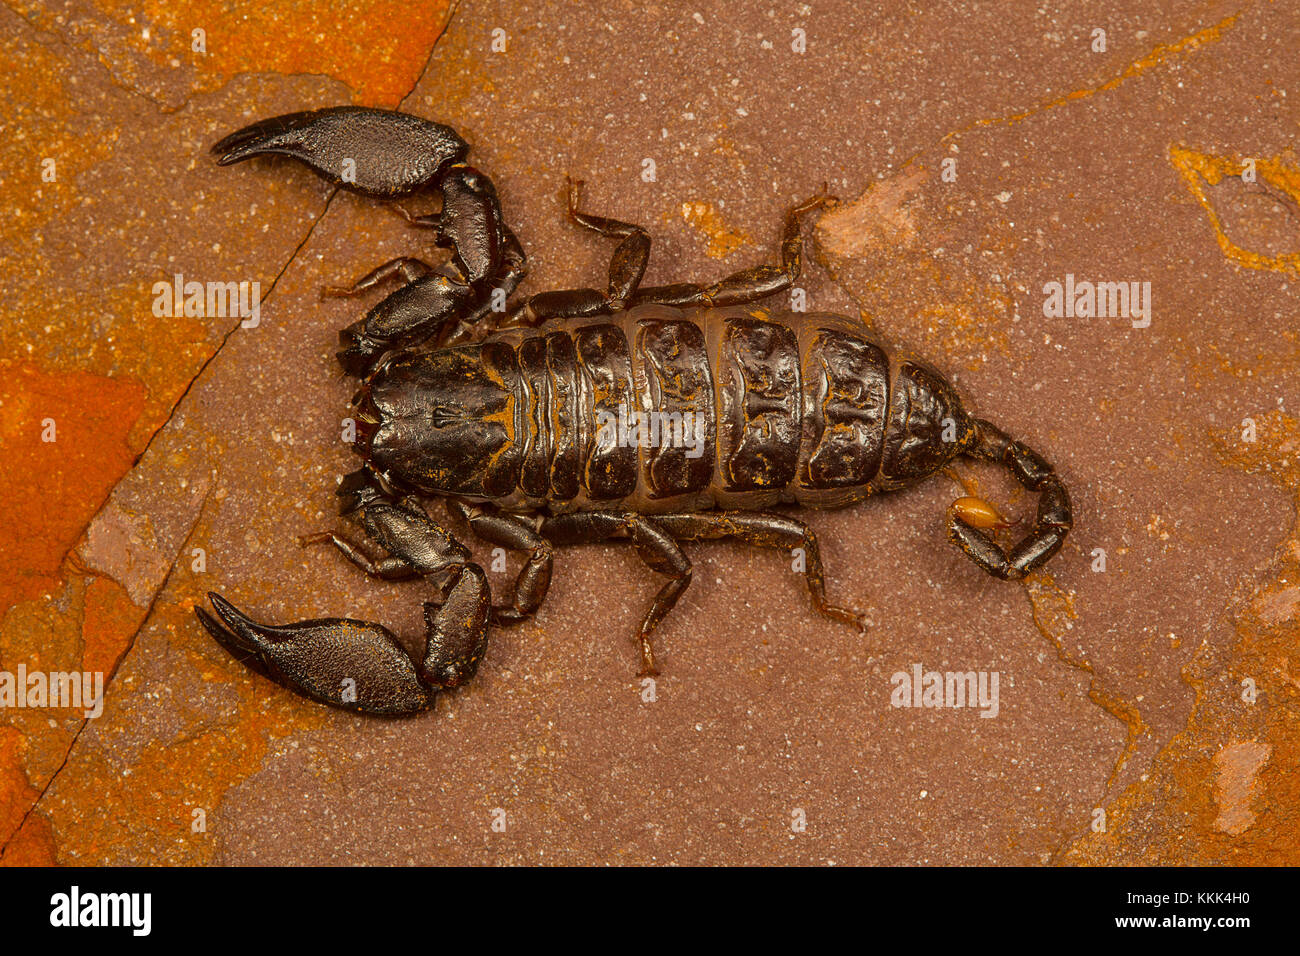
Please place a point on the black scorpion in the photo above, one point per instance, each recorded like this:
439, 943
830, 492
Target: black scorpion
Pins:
656, 415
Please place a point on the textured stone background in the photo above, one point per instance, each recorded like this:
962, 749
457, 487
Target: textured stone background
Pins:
1120, 690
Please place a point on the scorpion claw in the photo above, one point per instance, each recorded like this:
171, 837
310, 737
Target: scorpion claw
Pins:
375, 152
457, 630
354, 665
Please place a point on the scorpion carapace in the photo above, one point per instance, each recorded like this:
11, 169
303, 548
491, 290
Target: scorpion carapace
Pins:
654, 415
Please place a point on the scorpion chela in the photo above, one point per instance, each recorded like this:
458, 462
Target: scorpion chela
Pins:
517, 416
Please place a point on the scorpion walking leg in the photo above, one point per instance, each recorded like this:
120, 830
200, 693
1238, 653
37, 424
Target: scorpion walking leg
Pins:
391, 568
653, 544
627, 266
509, 531
1051, 524
765, 529
748, 284
411, 270
357, 665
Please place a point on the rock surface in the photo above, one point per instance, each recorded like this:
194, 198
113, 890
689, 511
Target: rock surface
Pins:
1148, 683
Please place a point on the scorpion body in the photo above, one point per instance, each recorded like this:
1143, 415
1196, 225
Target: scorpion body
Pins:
728, 408
655, 415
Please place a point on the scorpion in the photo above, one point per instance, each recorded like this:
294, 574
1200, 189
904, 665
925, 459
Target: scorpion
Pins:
516, 416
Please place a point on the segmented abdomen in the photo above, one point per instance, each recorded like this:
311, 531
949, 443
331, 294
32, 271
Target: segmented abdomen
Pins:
657, 409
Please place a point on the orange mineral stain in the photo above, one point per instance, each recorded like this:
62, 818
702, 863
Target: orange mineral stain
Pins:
109, 621
1159, 55
891, 228
48, 148
1054, 616
722, 239
16, 798
1206, 800
64, 436
378, 48
1201, 169
184, 769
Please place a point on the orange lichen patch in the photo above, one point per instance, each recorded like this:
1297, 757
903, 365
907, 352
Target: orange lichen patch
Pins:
66, 433
1054, 615
46, 144
42, 635
109, 621
1245, 695
32, 846
186, 770
16, 794
1201, 169
377, 47
165, 353
723, 240
85, 625
113, 333
16, 798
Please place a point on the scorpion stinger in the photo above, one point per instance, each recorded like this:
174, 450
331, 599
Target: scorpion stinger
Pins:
1052, 523
362, 666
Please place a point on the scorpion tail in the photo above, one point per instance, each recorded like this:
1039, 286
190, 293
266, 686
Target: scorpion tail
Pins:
968, 517
376, 152
349, 664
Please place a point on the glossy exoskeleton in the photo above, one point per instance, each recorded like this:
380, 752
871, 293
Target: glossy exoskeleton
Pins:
653, 415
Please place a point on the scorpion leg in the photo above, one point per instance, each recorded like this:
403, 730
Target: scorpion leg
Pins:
391, 568
654, 546
748, 284
357, 665
432, 305
512, 532
765, 529
411, 270
627, 266
1051, 524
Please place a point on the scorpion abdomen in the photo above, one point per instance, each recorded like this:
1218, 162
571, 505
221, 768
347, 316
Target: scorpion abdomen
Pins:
657, 409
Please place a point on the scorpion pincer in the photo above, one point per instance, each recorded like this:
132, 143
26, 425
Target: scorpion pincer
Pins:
655, 415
